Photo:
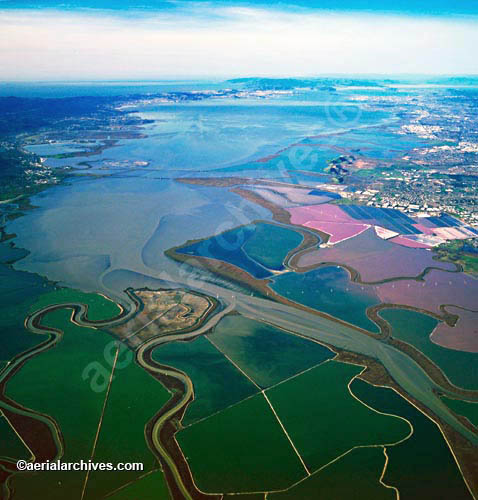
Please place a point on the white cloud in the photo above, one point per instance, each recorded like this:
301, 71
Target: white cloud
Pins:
46, 45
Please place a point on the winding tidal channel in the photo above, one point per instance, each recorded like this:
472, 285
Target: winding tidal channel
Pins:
405, 372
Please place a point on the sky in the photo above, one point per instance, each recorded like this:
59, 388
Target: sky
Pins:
50, 40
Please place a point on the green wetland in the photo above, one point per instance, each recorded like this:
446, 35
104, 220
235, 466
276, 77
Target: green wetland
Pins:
467, 409
151, 487
12, 446
134, 398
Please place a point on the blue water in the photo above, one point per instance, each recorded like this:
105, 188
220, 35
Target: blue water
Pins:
59, 148
75, 89
200, 137
329, 290
228, 247
94, 228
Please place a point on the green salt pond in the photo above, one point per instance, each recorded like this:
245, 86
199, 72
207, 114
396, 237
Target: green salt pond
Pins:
268, 355
415, 328
217, 383
467, 409
241, 449
324, 420
422, 466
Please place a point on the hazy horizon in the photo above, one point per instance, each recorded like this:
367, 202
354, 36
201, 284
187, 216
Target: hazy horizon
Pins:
218, 40
403, 77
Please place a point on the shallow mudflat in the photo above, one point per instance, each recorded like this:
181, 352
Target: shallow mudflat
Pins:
94, 227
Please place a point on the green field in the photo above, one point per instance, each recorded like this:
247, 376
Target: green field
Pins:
324, 420
270, 244
455, 251
22, 294
415, 328
267, 354
134, 398
11, 446
18, 292
99, 307
354, 476
52, 383
217, 383
465, 408
422, 466
241, 449
151, 487
469, 263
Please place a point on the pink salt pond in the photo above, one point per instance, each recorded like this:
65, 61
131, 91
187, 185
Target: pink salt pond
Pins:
338, 231
374, 258
329, 219
323, 213
406, 242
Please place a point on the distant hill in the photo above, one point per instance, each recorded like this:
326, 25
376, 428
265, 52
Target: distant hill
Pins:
294, 83
19, 114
